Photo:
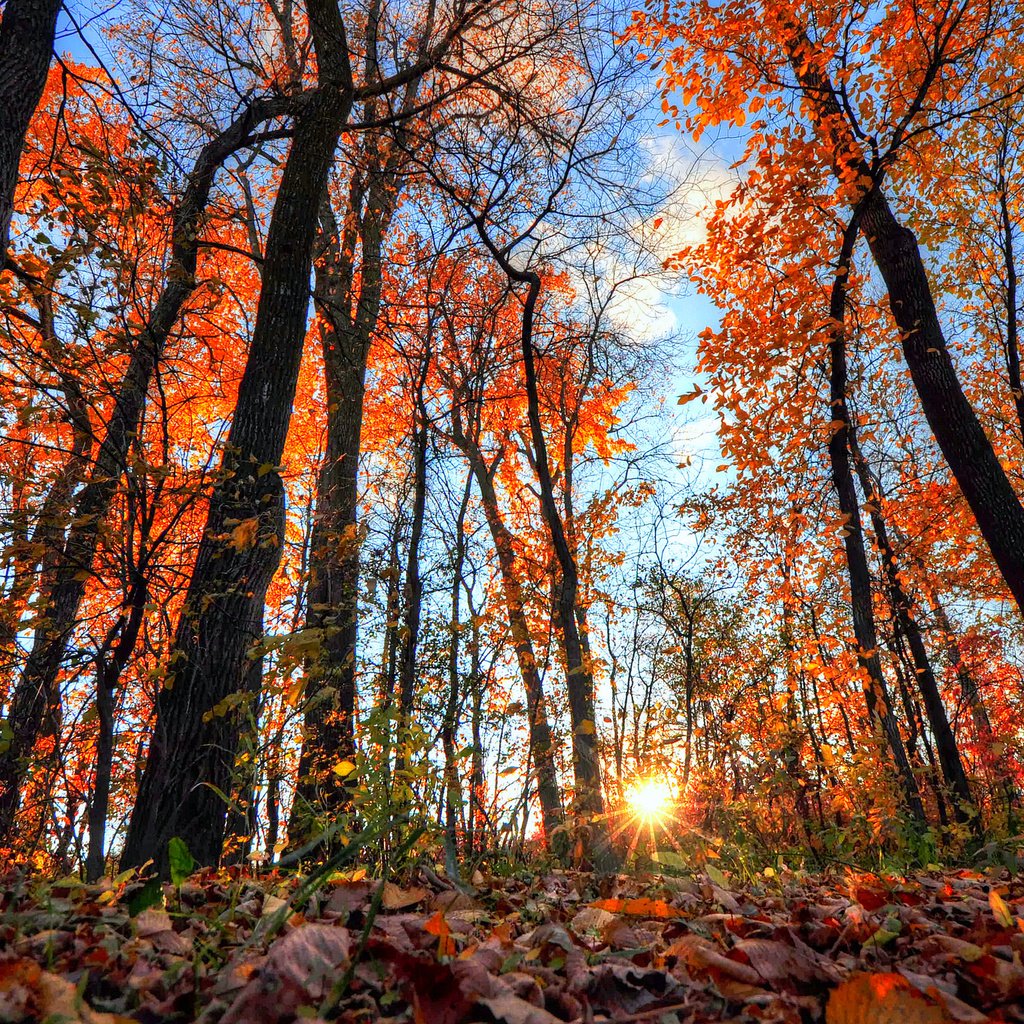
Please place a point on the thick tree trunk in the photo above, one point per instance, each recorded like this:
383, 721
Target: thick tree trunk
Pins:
26, 46
541, 740
347, 295
861, 599
960, 435
37, 689
192, 754
333, 597
348, 318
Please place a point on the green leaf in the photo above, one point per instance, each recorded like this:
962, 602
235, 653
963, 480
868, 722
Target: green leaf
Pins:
716, 876
671, 859
180, 859
886, 933
151, 894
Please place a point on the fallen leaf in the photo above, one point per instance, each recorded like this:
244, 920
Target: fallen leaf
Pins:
1000, 910
640, 906
395, 898
881, 999
299, 971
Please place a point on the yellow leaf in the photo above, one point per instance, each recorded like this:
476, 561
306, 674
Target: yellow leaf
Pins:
243, 536
587, 727
343, 769
1000, 910
294, 692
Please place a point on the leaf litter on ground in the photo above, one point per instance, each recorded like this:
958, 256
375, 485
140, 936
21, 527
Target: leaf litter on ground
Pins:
555, 946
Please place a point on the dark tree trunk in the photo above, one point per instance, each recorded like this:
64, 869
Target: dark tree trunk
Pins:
413, 590
954, 424
945, 742
861, 600
110, 665
333, 598
1011, 342
589, 801
347, 294
26, 45
967, 450
37, 689
450, 722
192, 754
541, 740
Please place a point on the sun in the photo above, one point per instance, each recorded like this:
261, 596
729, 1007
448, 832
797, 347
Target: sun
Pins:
650, 801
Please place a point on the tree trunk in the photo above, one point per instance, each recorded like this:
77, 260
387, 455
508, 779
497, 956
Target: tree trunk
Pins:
37, 689
945, 742
450, 722
347, 295
861, 600
541, 740
954, 424
191, 757
26, 45
413, 590
108, 673
959, 434
589, 802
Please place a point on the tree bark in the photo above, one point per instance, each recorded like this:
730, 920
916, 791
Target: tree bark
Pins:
413, 590
541, 739
589, 801
347, 294
452, 707
953, 422
960, 436
192, 753
37, 688
861, 599
945, 742
110, 663
26, 46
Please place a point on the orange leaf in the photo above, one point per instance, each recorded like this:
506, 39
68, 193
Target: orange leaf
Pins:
243, 536
881, 999
640, 907
437, 925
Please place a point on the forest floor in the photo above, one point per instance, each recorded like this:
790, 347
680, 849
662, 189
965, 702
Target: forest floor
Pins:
844, 948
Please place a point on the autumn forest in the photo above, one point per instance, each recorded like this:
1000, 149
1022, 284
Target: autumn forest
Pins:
458, 436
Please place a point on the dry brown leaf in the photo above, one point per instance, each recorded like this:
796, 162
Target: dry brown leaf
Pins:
29, 993
395, 898
507, 1008
299, 971
243, 536
944, 993
698, 953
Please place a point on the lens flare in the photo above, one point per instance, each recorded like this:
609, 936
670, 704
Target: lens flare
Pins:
650, 801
